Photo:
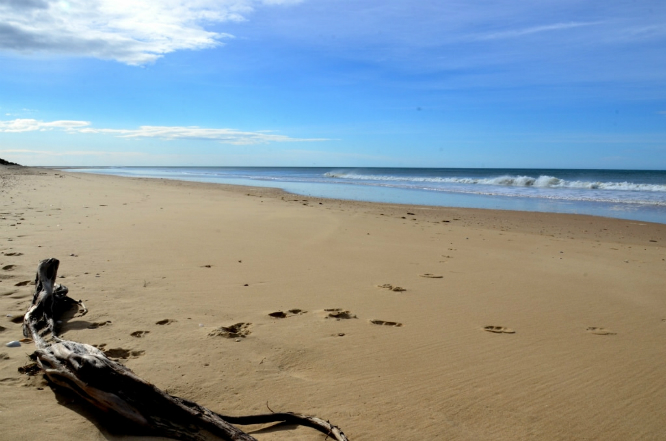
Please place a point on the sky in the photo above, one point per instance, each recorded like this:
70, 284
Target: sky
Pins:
353, 83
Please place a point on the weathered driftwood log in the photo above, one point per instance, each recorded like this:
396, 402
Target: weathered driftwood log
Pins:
113, 388
49, 301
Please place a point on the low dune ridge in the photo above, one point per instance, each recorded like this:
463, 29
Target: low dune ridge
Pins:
5, 162
507, 326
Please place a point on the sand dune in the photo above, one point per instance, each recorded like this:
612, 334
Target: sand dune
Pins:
508, 326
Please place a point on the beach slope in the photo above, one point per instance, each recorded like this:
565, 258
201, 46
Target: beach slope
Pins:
391, 321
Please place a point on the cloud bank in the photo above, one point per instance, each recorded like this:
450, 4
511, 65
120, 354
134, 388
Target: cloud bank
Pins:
225, 136
134, 32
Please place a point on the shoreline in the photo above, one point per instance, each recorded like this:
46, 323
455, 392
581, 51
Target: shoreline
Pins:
310, 184
485, 217
140, 251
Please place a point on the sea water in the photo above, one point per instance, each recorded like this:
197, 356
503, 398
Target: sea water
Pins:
628, 194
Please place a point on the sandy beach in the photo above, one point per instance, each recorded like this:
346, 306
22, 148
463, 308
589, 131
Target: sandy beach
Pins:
578, 303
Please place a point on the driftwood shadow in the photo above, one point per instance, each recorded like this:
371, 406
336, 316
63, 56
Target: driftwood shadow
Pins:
110, 426
279, 427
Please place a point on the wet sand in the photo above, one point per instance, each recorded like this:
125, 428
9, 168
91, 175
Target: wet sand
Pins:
506, 325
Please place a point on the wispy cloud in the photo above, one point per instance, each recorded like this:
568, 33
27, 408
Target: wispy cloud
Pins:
227, 136
224, 135
32, 125
643, 32
514, 33
134, 32
71, 153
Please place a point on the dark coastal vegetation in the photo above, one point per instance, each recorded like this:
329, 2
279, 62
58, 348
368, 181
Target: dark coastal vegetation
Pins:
3, 162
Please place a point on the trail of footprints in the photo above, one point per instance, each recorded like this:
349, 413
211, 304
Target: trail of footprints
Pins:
335, 313
122, 353
242, 330
490, 328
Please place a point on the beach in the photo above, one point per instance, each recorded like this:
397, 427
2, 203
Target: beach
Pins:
509, 325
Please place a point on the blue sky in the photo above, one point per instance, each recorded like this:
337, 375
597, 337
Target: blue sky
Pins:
420, 83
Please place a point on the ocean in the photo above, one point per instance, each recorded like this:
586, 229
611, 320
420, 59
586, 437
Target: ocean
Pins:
627, 194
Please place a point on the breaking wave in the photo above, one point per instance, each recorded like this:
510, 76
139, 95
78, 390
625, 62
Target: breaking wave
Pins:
543, 181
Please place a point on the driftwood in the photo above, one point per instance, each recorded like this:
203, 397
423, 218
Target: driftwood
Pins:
115, 389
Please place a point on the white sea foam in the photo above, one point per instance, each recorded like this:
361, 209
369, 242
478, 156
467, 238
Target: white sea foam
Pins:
543, 181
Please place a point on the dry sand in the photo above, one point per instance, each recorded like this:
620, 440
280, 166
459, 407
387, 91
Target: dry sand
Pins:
139, 252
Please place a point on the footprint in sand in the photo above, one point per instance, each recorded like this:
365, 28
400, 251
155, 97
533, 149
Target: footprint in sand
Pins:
165, 322
499, 329
8, 267
139, 334
122, 353
430, 276
239, 330
600, 331
24, 283
2, 328
338, 313
99, 324
17, 319
13, 254
385, 323
4, 356
291, 312
391, 287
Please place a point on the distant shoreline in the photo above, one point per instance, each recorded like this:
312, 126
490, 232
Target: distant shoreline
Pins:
622, 194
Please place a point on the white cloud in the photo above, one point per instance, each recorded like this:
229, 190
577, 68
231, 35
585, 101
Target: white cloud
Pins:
31, 125
134, 32
225, 136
